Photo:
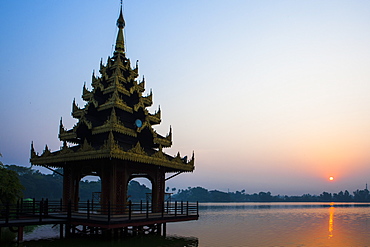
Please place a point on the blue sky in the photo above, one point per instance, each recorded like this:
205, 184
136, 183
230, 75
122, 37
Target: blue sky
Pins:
271, 95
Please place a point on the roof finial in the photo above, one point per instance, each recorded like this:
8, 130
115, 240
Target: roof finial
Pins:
120, 44
120, 20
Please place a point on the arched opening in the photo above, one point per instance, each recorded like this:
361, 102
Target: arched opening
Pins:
90, 188
139, 189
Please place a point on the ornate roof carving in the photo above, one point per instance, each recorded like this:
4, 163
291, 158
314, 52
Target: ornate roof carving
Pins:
148, 100
113, 124
65, 149
46, 152
159, 154
155, 118
112, 150
86, 94
138, 149
115, 101
115, 121
33, 153
116, 86
76, 111
85, 147
111, 144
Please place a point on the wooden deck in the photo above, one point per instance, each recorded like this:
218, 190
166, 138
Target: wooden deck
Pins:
96, 219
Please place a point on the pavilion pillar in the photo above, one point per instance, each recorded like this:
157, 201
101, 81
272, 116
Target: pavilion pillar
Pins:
107, 182
68, 189
71, 182
114, 186
121, 188
158, 188
76, 193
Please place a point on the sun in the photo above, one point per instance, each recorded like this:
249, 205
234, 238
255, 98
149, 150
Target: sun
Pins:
331, 178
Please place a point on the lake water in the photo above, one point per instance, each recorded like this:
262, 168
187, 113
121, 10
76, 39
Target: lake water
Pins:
248, 224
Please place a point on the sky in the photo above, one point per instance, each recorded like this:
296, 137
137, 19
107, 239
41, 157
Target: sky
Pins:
270, 95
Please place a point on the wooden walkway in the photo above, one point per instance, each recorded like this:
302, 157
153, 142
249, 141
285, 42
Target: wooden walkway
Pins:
93, 218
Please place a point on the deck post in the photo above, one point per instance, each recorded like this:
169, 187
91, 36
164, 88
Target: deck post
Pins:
115, 233
33, 206
41, 208
61, 231
46, 208
182, 207
7, 213
88, 209
187, 208
108, 211
175, 208
129, 209
17, 210
20, 234
69, 211
147, 209
68, 229
164, 229
141, 206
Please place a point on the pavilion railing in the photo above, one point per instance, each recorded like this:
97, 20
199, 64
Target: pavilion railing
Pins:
91, 210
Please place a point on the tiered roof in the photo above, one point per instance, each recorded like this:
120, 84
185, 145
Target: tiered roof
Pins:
115, 121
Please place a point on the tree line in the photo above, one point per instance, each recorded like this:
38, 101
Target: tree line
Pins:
34, 184
203, 195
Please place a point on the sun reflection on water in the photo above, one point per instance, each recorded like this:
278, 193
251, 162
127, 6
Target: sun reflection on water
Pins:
331, 219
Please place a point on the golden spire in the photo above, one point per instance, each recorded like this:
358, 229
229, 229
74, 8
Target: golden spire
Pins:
120, 44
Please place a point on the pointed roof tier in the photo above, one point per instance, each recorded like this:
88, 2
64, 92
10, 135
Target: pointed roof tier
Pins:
115, 121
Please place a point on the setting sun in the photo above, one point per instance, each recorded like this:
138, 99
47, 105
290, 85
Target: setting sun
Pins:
331, 178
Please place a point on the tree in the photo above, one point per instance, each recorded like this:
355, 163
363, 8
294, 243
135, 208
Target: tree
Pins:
10, 186
325, 197
265, 196
38, 185
361, 195
137, 191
